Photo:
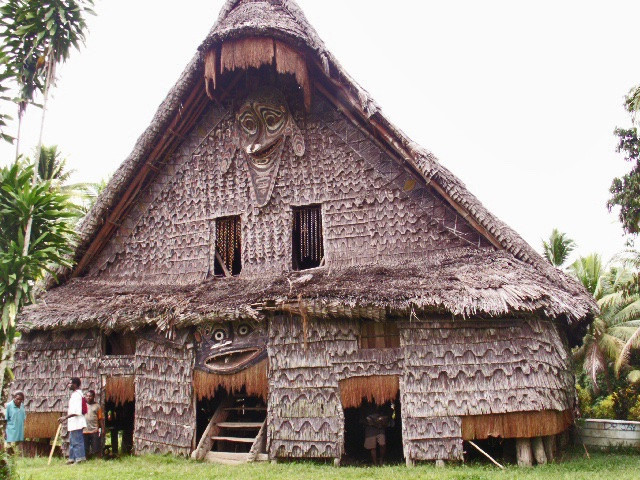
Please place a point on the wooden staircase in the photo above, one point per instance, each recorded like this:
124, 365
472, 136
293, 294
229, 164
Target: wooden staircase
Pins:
236, 433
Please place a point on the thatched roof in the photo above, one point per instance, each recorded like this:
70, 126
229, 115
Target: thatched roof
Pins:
497, 283
470, 283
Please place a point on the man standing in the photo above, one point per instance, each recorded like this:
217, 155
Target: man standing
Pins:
15, 418
75, 423
94, 433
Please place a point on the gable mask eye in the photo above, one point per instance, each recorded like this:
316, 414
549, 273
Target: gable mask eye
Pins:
244, 330
219, 335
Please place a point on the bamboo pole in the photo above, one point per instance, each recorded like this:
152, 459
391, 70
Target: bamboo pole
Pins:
485, 454
55, 440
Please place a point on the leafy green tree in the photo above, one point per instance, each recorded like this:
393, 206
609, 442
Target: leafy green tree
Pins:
558, 248
50, 243
625, 191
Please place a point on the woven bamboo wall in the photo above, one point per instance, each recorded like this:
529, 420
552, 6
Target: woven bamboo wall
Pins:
448, 371
373, 209
165, 414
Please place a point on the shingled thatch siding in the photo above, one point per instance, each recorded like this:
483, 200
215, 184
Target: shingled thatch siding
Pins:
45, 361
164, 414
44, 364
372, 208
453, 369
448, 370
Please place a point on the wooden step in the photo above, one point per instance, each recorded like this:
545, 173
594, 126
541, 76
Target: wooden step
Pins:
235, 439
247, 425
248, 409
231, 458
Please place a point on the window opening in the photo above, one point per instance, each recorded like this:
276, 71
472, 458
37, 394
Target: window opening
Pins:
379, 335
228, 255
120, 344
308, 248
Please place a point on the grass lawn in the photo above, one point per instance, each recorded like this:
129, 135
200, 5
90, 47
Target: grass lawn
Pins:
618, 466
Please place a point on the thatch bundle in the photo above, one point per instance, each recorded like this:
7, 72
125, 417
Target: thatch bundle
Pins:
120, 389
41, 424
375, 388
516, 424
253, 52
253, 379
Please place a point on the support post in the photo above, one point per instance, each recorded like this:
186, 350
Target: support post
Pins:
410, 463
440, 463
538, 450
524, 453
550, 447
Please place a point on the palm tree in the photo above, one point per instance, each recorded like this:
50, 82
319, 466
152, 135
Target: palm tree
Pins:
589, 270
616, 330
558, 248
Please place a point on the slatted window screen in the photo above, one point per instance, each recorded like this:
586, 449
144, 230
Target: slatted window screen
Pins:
379, 335
308, 248
228, 246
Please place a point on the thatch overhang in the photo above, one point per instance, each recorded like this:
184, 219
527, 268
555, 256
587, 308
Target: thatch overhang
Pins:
469, 284
496, 284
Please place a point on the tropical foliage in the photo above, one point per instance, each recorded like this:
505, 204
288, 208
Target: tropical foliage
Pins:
51, 237
625, 191
609, 370
558, 248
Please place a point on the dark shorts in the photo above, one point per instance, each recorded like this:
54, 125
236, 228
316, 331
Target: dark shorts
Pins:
370, 442
92, 444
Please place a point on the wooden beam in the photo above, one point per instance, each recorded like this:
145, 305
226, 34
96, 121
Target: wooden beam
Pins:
349, 105
183, 121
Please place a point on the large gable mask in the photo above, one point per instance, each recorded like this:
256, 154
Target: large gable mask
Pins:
261, 127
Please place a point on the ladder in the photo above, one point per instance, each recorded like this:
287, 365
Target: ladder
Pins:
236, 433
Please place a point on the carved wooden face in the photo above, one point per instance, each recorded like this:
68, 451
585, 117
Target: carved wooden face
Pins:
230, 347
263, 123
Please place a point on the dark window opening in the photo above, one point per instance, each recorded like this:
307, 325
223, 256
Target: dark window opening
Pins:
120, 344
379, 335
228, 255
308, 248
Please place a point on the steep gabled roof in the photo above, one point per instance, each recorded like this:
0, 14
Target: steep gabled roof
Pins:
283, 20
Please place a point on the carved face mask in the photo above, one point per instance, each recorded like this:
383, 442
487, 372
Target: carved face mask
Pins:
230, 347
262, 126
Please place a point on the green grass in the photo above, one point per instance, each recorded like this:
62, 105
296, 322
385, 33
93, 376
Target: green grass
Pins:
618, 466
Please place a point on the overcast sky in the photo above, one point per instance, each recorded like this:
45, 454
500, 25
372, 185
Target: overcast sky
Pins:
519, 99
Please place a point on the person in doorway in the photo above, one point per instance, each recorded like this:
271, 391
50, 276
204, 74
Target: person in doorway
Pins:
15, 417
94, 433
376, 423
75, 422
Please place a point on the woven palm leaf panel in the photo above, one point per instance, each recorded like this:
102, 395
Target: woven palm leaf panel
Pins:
164, 411
44, 364
469, 374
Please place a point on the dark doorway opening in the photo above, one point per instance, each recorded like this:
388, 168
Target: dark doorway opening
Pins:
119, 423
239, 418
355, 424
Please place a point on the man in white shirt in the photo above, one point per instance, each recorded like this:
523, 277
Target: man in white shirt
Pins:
75, 423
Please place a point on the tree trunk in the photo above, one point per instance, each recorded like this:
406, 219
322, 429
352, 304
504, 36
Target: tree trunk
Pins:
523, 451
538, 450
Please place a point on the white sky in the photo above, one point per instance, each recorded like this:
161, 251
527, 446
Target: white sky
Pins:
519, 99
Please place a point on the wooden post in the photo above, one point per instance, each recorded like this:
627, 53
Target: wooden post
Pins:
410, 463
538, 450
550, 447
440, 463
523, 451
